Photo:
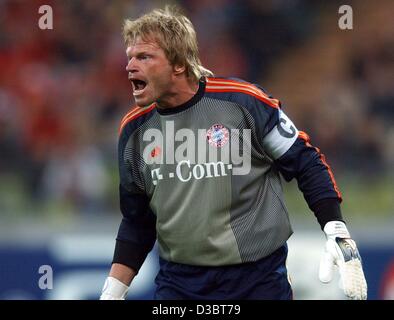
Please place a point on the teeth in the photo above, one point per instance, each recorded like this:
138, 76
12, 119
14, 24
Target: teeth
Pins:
138, 91
138, 87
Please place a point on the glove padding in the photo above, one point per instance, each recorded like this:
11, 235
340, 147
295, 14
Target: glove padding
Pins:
114, 290
341, 251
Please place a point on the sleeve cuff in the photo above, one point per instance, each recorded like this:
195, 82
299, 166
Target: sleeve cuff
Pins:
327, 210
129, 254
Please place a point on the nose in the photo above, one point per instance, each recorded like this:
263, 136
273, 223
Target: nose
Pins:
130, 67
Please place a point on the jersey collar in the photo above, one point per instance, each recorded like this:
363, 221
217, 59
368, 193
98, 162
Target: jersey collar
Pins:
184, 106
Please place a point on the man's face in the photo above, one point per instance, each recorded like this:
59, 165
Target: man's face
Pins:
150, 72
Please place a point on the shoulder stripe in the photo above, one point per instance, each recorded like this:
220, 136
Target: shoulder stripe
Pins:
228, 84
242, 84
236, 89
134, 114
233, 83
133, 109
304, 136
224, 85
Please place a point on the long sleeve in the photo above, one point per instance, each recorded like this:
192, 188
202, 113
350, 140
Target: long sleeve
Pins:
295, 157
137, 230
137, 234
315, 178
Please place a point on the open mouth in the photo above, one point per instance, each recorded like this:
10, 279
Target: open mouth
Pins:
138, 86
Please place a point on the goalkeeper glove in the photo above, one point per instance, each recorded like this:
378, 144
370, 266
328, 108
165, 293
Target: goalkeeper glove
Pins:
114, 289
341, 251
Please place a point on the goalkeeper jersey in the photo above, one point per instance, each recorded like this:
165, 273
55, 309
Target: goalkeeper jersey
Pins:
203, 178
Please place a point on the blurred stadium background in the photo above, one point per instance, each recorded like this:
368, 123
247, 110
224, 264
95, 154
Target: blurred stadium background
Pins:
64, 91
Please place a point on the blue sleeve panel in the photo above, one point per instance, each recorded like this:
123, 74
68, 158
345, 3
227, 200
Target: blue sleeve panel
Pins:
137, 231
314, 176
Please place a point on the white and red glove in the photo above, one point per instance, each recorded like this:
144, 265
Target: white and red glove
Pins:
114, 290
341, 251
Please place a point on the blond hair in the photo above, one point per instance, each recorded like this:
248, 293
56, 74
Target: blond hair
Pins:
174, 33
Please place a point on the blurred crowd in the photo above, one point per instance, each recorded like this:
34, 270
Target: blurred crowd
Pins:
64, 91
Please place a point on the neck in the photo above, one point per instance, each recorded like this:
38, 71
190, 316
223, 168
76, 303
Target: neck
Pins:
183, 91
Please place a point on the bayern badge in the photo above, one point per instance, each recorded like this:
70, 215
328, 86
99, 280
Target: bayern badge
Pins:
218, 135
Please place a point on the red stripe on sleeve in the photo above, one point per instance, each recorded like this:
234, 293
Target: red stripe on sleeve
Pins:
304, 136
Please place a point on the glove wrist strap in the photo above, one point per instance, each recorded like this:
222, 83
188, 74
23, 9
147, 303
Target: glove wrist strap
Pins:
334, 229
115, 288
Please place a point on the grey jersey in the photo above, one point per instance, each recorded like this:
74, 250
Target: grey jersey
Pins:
203, 175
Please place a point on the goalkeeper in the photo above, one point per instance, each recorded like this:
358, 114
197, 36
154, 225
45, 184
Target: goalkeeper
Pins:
221, 223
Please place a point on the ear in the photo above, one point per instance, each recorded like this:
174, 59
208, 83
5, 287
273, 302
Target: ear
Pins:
179, 69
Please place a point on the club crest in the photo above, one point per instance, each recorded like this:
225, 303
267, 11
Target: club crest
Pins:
218, 135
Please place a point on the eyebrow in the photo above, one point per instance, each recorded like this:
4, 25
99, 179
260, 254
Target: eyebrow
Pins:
140, 53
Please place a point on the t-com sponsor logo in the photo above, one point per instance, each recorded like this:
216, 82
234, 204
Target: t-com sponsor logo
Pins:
203, 153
